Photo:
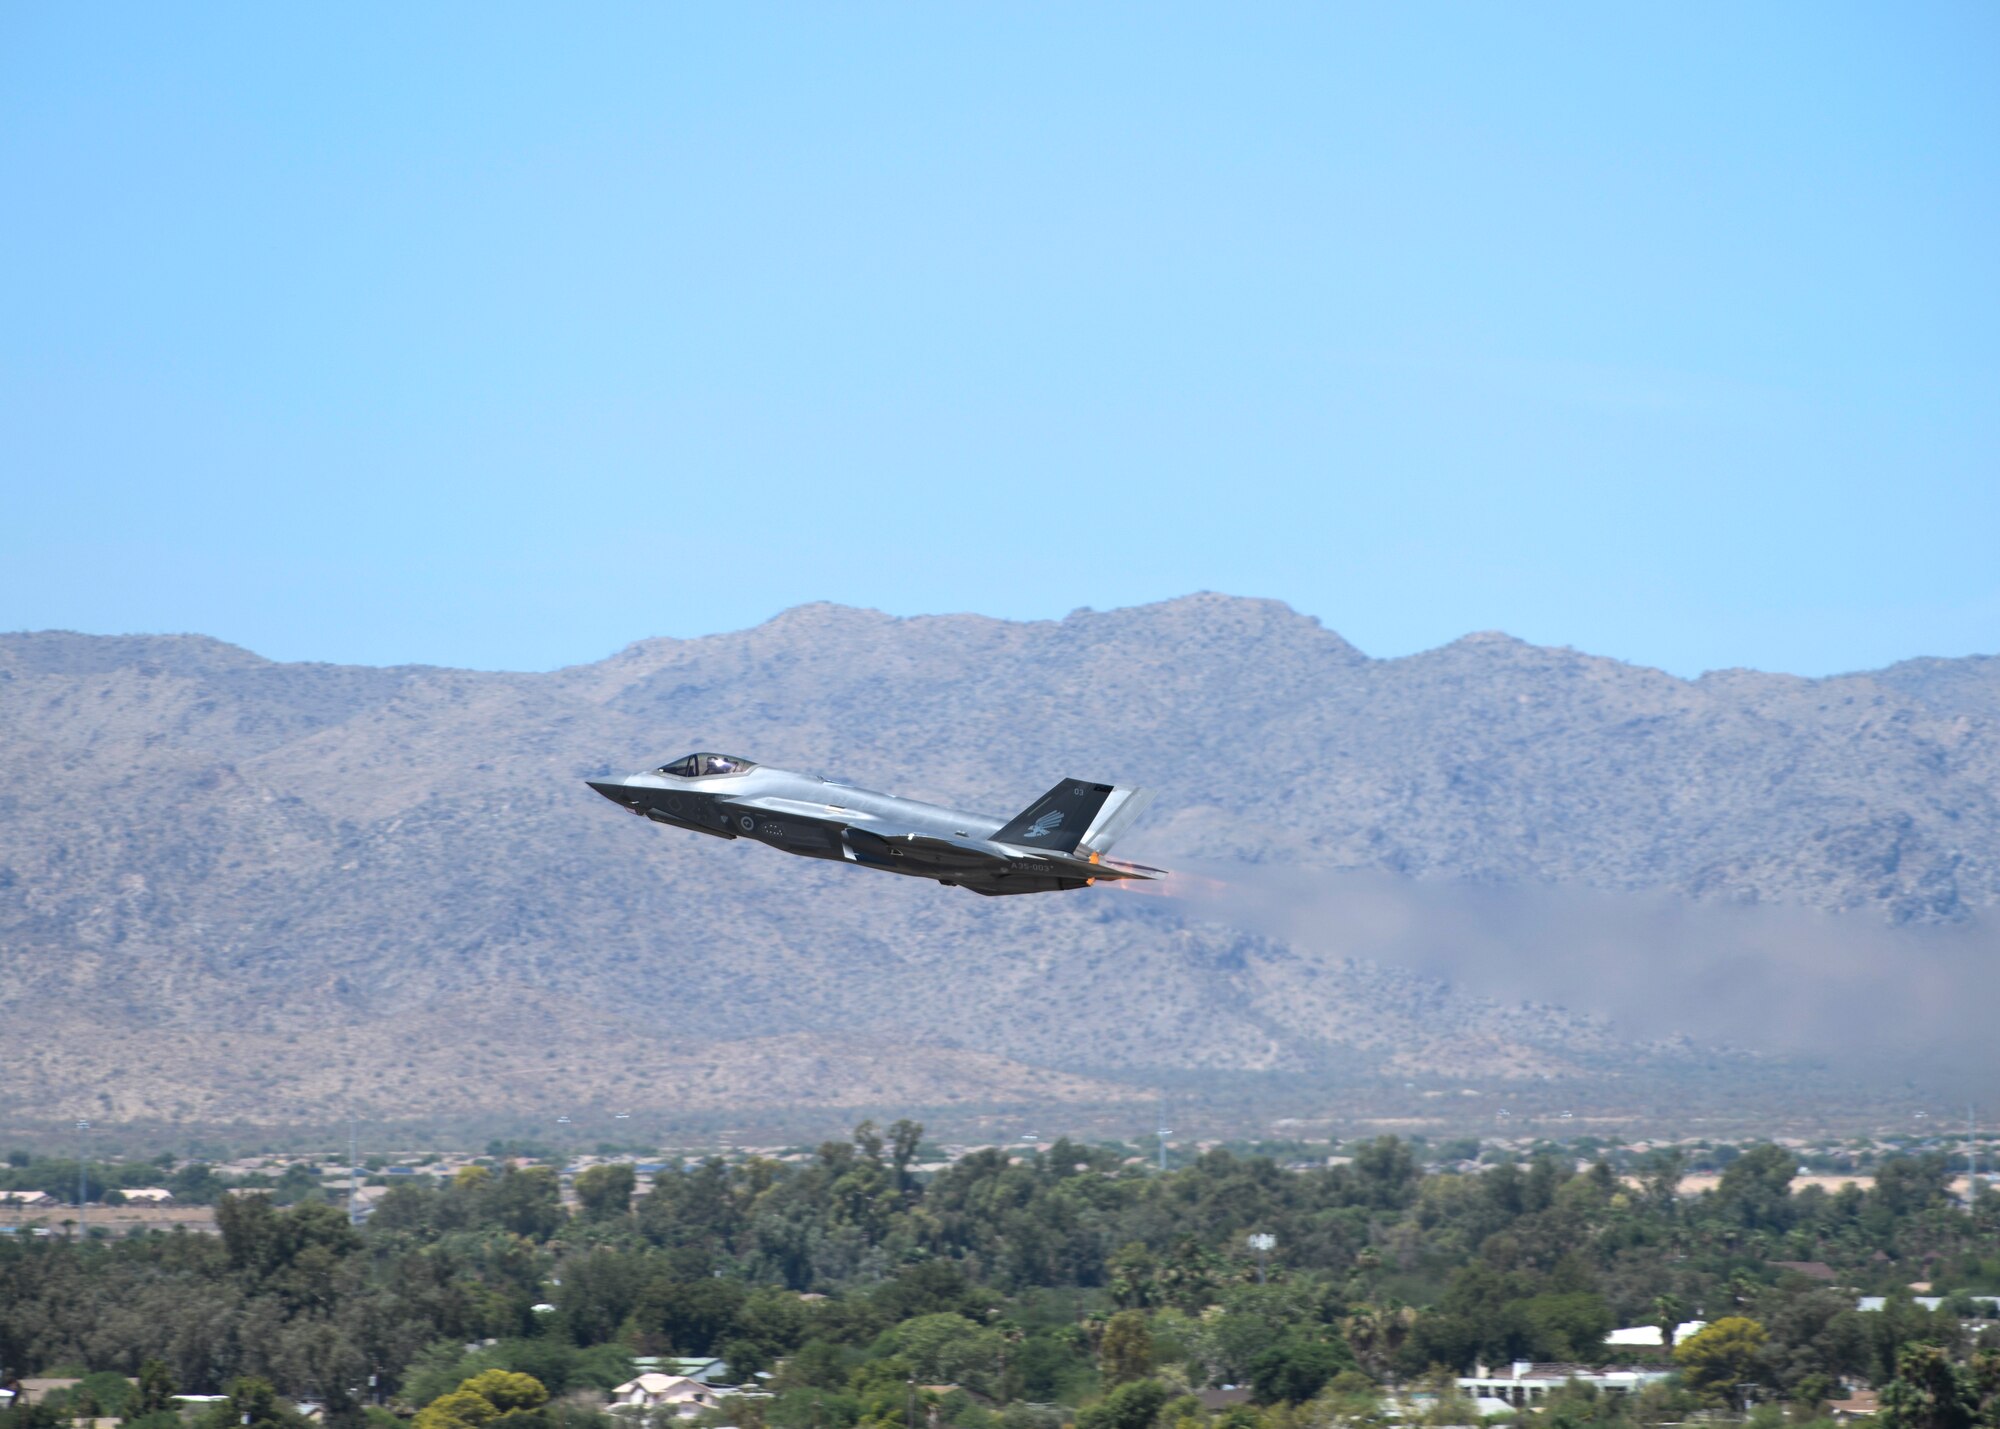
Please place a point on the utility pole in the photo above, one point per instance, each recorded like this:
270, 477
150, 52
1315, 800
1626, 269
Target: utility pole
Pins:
1971, 1160
82, 1166
1163, 1133
353, 1176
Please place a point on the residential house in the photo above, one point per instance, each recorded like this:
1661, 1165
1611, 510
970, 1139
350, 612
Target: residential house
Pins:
652, 1390
1855, 1404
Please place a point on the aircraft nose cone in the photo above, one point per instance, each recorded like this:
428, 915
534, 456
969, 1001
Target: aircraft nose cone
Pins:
614, 791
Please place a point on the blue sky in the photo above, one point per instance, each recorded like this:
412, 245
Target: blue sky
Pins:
503, 335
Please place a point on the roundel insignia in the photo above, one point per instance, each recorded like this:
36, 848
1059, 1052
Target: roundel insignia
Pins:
674, 803
1078, 792
746, 823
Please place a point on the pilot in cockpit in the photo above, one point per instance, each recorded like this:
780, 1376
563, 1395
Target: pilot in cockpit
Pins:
696, 766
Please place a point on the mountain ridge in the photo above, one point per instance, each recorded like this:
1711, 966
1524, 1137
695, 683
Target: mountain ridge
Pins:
192, 835
1911, 667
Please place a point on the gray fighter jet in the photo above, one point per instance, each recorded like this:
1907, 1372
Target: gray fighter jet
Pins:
1057, 842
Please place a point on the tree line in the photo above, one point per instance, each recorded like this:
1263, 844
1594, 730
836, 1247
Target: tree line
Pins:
1032, 1290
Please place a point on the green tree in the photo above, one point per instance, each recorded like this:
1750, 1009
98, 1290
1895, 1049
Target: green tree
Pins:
525, 1200
196, 1184
440, 1368
1756, 1188
1660, 1173
605, 1192
1376, 1334
42, 1415
1296, 1368
1667, 1311
1928, 1392
1570, 1326
106, 1393
1129, 1406
1385, 1173
947, 1348
507, 1391
599, 1289
1905, 1185
253, 1403
461, 1409
905, 1136
1576, 1405
1126, 1351
156, 1388
1718, 1359
1984, 1376
688, 1317
1133, 1274
1187, 1278
490, 1395
1902, 1322
745, 1358
1816, 1336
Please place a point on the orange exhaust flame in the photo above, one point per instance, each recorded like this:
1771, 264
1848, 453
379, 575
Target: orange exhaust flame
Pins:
1186, 887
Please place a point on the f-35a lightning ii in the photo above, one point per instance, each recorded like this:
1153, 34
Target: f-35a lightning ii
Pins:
1057, 842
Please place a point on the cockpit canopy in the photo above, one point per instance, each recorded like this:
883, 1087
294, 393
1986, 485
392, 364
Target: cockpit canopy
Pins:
700, 766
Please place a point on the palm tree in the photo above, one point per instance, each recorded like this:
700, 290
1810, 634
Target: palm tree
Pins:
1667, 1313
1376, 1332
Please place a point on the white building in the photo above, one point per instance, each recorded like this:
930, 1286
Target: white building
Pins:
1524, 1384
1988, 1304
685, 1397
1648, 1336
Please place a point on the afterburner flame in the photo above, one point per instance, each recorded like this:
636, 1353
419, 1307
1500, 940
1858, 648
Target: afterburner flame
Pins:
1188, 887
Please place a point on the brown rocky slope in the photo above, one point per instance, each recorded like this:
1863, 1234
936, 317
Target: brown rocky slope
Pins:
231, 888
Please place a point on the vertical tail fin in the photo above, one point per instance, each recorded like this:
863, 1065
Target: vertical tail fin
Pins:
1057, 820
1076, 814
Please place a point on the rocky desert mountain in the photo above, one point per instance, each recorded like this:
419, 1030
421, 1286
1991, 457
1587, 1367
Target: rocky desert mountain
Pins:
238, 890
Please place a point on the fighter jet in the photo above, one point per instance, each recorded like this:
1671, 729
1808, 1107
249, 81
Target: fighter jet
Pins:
1057, 842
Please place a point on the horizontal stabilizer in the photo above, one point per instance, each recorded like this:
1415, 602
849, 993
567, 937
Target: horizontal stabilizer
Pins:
1121, 810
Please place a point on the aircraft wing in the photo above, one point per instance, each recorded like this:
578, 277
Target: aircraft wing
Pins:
967, 851
978, 857
1107, 814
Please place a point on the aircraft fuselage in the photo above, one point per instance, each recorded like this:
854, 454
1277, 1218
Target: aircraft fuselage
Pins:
1056, 843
